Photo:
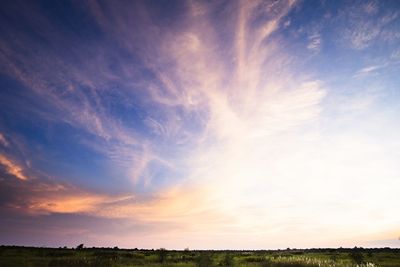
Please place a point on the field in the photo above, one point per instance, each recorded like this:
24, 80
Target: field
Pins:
53, 257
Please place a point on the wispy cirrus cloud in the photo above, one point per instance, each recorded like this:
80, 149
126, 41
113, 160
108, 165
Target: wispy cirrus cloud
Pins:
369, 69
228, 101
3, 140
198, 120
368, 23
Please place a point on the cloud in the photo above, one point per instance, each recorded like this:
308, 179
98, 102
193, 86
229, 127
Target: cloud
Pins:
370, 7
206, 120
40, 196
231, 111
395, 54
73, 90
230, 102
76, 91
164, 212
366, 23
314, 42
369, 70
3, 140
12, 168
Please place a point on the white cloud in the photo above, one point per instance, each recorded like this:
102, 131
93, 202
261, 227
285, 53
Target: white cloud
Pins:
364, 25
314, 42
369, 69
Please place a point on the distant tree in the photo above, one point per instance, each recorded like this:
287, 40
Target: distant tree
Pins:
204, 260
186, 254
80, 246
227, 260
357, 256
162, 255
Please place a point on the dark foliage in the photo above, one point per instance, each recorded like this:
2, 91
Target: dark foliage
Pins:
357, 256
204, 260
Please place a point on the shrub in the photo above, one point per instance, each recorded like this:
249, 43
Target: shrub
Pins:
357, 256
162, 255
266, 263
80, 262
227, 260
270, 263
204, 260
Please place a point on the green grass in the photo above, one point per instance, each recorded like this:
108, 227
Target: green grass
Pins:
103, 257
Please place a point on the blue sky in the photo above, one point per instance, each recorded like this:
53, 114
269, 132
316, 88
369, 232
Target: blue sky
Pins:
134, 123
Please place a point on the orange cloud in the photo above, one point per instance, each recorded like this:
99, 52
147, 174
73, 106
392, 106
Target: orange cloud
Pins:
12, 168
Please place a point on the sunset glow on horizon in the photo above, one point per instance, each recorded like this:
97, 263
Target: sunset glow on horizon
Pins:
200, 124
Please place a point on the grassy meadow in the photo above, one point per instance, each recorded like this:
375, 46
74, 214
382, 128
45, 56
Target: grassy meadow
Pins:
85, 257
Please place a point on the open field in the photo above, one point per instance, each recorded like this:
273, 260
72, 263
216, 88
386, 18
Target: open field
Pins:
52, 257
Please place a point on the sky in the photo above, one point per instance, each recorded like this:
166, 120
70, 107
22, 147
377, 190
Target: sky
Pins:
200, 124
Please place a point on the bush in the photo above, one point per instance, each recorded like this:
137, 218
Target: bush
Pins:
79, 263
162, 255
227, 260
266, 263
334, 256
204, 260
270, 263
357, 256
253, 259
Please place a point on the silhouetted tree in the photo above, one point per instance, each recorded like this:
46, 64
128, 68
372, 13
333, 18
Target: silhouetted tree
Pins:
80, 246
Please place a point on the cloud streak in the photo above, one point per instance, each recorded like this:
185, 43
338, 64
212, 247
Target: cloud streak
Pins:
12, 168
